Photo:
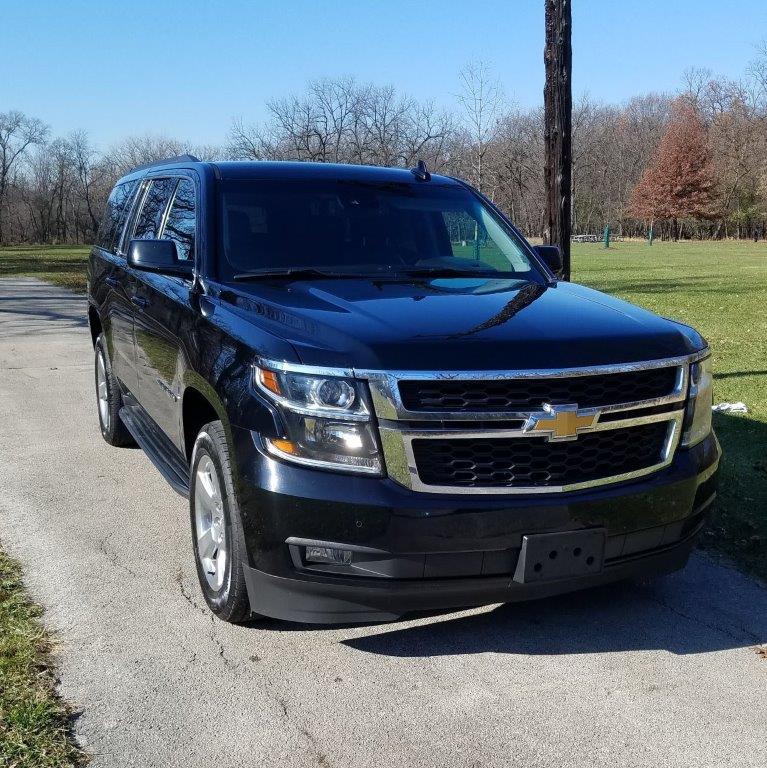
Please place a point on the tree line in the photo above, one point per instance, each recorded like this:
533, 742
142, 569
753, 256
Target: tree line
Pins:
688, 164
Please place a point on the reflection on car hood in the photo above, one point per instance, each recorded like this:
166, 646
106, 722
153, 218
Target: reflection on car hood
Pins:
458, 324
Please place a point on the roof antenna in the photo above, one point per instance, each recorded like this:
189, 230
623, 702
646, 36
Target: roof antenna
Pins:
421, 172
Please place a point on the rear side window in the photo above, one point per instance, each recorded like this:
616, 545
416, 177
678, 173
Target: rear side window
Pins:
181, 221
116, 212
153, 207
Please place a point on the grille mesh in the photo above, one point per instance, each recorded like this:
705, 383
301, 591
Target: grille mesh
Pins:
531, 394
535, 462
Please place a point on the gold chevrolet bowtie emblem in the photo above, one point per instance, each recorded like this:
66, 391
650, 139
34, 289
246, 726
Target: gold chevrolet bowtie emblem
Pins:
561, 422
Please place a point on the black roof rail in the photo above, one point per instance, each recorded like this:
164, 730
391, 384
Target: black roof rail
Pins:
166, 161
421, 172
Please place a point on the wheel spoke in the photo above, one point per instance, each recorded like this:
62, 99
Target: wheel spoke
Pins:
220, 566
206, 546
208, 486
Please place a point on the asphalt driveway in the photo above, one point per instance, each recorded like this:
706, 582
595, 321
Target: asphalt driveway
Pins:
655, 675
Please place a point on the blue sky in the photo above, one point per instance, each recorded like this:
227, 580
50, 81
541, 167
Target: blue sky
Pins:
185, 69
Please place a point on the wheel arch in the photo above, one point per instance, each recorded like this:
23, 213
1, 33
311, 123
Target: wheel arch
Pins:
94, 323
199, 407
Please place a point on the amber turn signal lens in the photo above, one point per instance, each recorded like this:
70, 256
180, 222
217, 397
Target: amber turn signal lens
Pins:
270, 381
286, 446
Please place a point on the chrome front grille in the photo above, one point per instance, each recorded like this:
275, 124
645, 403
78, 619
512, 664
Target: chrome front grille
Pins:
522, 394
508, 462
432, 441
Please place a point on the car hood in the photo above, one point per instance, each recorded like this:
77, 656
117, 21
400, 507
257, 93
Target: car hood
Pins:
458, 324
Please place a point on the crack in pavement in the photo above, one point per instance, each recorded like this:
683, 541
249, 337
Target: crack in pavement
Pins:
303, 728
279, 699
187, 595
212, 635
112, 555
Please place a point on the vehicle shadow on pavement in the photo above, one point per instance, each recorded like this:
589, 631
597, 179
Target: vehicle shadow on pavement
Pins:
29, 306
697, 611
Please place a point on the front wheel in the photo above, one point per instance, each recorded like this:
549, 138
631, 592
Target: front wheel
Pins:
218, 538
109, 399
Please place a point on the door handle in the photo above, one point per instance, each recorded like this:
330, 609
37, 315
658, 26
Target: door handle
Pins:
139, 301
115, 282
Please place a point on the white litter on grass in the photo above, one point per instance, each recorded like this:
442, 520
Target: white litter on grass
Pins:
730, 408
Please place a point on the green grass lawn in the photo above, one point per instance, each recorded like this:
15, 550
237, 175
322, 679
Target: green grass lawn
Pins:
718, 287
60, 264
35, 725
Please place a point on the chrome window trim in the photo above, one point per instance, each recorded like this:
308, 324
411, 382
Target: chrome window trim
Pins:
146, 183
130, 222
137, 198
168, 206
181, 176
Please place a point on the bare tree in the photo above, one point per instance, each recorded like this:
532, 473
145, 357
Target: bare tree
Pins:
481, 98
17, 134
247, 142
93, 180
342, 121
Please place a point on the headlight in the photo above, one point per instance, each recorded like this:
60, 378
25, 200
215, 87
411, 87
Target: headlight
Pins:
697, 419
327, 420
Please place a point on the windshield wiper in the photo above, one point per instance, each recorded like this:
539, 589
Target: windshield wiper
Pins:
448, 272
294, 273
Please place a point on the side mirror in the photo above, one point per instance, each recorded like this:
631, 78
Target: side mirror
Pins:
551, 256
157, 256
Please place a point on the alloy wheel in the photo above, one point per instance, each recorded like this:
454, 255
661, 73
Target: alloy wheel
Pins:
210, 523
102, 390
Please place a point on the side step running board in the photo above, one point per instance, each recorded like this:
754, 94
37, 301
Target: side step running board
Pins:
160, 450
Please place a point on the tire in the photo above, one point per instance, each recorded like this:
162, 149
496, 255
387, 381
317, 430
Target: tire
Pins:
218, 539
109, 399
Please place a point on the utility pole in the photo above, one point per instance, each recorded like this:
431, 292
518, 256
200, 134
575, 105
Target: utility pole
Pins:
558, 107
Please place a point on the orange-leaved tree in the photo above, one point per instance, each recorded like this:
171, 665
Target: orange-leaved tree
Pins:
679, 182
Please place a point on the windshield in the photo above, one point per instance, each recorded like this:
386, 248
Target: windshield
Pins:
347, 228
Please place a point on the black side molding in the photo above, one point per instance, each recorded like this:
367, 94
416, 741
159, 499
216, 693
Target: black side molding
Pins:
160, 450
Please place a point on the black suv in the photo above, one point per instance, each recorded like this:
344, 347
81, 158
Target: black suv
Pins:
379, 398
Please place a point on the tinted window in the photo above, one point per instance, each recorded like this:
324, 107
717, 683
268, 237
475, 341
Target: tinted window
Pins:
469, 238
152, 209
181, 220
366, 229
117, 209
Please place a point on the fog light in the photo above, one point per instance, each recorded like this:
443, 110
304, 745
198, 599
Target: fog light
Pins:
328, 555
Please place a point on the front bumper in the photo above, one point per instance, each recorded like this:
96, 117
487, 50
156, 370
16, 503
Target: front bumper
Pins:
335, 601
432, 551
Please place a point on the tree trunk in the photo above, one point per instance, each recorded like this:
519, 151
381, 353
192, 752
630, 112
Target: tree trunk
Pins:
558, 104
